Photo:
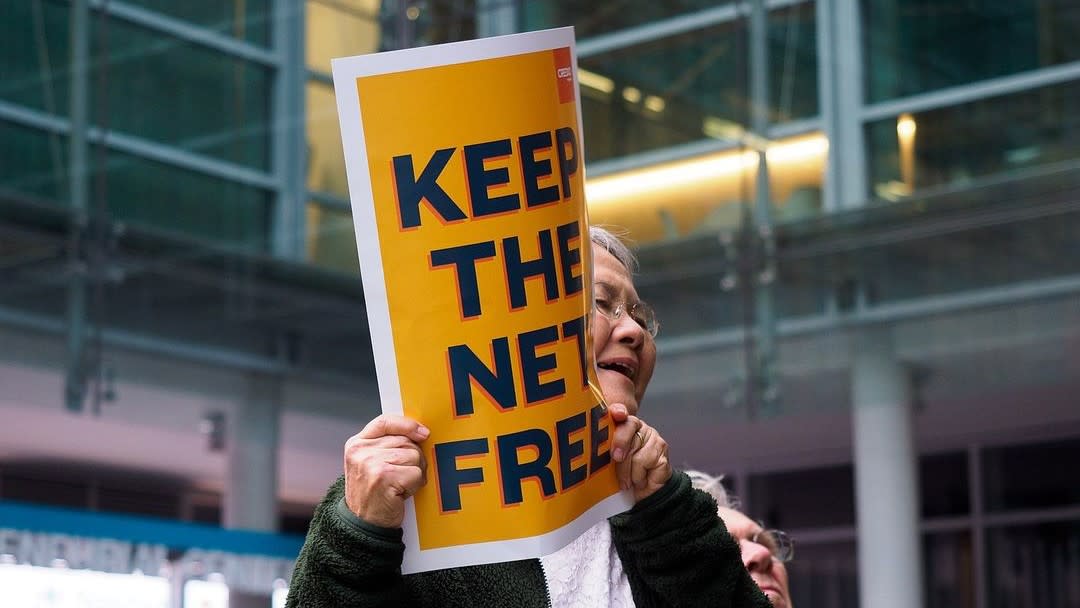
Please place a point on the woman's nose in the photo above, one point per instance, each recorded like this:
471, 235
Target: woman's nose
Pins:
627, 330
754, 556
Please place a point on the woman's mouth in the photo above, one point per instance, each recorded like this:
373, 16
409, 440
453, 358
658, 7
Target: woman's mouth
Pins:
623, 367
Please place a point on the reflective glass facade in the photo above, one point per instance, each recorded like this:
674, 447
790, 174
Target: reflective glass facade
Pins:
595, 19
35, 56
181, 95
246, 20
1016, 134
916, 46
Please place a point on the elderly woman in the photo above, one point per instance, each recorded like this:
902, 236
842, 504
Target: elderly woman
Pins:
764, 552
668, 550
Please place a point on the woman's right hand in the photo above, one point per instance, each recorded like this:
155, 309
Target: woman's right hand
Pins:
383, 467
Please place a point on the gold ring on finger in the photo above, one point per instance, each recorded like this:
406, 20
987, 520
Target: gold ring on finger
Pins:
641, 438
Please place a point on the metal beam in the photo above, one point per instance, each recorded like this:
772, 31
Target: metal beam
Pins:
176, 157
32, 118
195, 353
700, 147
845, 179
321, 77
761, 392
289, 144
661, 155
78, 191
967, 93
672, 26
495, 18
185, 31
331, 201
1013, 294
141, 147
794, 127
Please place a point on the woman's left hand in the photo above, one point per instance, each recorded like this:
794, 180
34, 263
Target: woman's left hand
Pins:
639, 452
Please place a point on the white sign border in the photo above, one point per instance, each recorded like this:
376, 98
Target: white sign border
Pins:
346, 71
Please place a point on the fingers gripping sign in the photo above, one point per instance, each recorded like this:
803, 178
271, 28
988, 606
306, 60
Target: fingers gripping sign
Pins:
640, 454
384, 466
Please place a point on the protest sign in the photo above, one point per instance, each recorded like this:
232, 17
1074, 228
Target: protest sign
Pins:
466, 177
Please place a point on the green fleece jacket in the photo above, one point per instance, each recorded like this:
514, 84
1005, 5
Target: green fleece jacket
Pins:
673, 548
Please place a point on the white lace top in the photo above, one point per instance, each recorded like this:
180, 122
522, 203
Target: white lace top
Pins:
587, 572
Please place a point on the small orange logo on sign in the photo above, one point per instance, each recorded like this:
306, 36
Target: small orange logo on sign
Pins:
564, 74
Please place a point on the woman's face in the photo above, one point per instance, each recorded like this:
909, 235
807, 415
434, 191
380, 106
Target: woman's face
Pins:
769, 574
625, 352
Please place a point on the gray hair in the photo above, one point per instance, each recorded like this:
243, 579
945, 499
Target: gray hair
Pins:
613, 244
713, 487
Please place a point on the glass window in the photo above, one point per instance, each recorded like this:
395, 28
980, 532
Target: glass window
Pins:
687, 302
943, 482
1034, 566
340, 28
793, 73
914, 46
248, 20
685, 282
804, 499
705, 194
33, 162
693, 86
1006, 135
664, 92
325, 156
34, 55
331, 239
438, 21
591, 18
152, 194
183, 95
949, 570
1032, 476
824, 575
980, 257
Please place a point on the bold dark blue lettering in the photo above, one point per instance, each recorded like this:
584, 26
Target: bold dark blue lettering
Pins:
532, 169
452, 478
513, 472
576, 328
412, 190
482, 179
568, 165
498, 384
569, 451
532, 366
518, 271
597, 436
464, 260
569, 257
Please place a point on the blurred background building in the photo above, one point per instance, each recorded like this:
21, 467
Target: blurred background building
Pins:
858, 221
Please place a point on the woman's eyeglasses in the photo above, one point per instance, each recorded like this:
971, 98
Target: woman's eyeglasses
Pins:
777, 542
640, 312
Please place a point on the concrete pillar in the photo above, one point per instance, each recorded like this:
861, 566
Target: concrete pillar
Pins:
250, 498
886, 475
251, 446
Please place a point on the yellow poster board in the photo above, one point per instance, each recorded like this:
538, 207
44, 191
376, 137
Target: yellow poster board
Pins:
466, 176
